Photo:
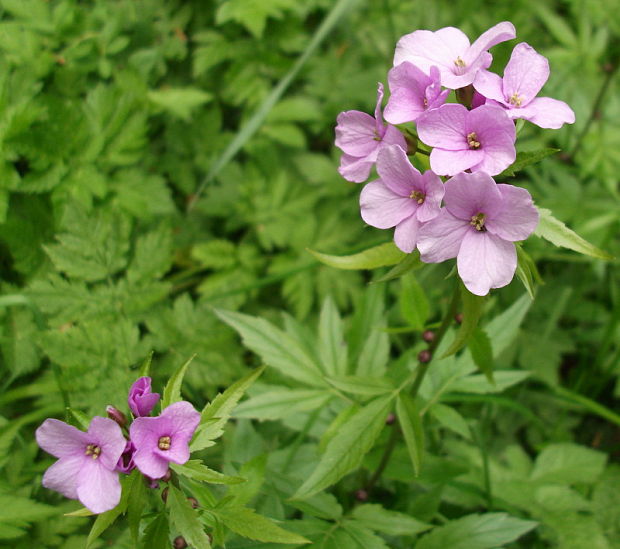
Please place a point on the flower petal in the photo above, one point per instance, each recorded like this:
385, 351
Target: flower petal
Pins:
547, 113
434, 190
440, 238
424, 48
60, 439
62, 476
392, 136
468, 194
407, 93
379, 128
518, 217
107, 434
490, 85
355, 133
445, 127
150, 463
406, 234
183, 419
500, 154
499, 33
397, 173
485, 261
355, 169
525, 74
445, 162
98, 488
382, 208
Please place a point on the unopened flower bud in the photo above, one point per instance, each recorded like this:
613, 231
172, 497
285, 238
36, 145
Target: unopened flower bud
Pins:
179, 543
424, 356
192, 501
458, 318
164, 494
428, 336
390, 419
116, 415
361, 495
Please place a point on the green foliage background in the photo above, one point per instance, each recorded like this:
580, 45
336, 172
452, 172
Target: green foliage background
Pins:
121, 229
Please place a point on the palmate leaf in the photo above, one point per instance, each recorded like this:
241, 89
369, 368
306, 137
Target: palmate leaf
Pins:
347, 448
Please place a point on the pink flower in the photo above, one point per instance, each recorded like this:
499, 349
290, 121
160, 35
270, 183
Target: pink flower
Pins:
478, 226
524, 76
125, 463
361, 137
163, 439
141, 401
402, 197
412, 93
450, 51
86, 461
480, 140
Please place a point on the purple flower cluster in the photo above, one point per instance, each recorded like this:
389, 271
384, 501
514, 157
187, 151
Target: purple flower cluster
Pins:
470, 142
89, 462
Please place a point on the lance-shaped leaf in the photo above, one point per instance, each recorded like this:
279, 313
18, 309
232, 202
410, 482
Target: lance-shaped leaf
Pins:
196, 470
215, 414
557, 233
280, 402
411, 426
346, 449
276, 348
332, 345
525, 159
472, 311
172, 390
372, 258
185, 519
481, 351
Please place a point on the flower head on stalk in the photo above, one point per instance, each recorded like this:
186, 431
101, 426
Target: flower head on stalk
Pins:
402, 197
524, 76
361, 137
163, 439
141, 400
449, 49
86, 464
479, 140
479, 225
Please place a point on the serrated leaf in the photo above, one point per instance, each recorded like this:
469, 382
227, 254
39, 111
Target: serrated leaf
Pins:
372, 258
135, 504
252, 14
568, 463
387, 521
332, 345
347, 448
411, 425
279, 403
196, 470
215, 414
480, 384
525, 159
414, 306
449, 418
557, 233
185, 519
472, 311
479, 346
486, 531
156, 533
358, 385
179, 102
172, 390
245, 522
275, 347
321, 505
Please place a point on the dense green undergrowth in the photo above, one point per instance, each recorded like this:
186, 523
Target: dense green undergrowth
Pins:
139, 212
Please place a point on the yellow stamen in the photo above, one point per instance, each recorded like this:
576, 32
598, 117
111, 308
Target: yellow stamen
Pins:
477, 221
93, 450
472, 140
418, 196
459, 62
164, 443
516, 99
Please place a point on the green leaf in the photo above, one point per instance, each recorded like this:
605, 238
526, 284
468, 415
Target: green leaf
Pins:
276, 348
486, 531
135, 504
525, 159
557, 233
346, 449
156, 534
481, 385
411, 425
388, 522
332, 346
247, 523
449, 418
481, 351
568, 463
82, 420
185, 519
372, 258
358, 385
252, 14
472, 311
410, 262
414, 305
172, 391
215, 414
195, 469
527, 271
322, 505
179, 102
145, 368
280, 402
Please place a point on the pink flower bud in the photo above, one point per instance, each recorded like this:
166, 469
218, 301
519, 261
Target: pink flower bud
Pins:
141, 400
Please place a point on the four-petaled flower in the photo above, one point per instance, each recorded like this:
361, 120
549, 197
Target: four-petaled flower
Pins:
402, 197
361, 137
478, 140
450, 51
412, 93
163, 439
141, 400
86, 464
524, 76
479, 225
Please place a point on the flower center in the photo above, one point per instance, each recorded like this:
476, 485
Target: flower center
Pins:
516, 99
93, 450
164, 443
472, 141
477, 221
418, 196
460, 65
425, 101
